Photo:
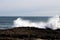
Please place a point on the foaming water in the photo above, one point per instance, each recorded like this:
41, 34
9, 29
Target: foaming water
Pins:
53, 23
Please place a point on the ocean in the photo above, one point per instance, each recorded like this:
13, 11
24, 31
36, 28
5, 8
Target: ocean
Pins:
38, 22
7, 22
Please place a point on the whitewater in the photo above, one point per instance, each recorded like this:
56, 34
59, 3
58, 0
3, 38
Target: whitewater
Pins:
52, 23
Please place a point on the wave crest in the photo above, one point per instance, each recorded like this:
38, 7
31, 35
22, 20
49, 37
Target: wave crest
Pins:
53, 23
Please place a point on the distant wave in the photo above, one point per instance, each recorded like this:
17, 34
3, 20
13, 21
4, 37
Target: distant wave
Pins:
53, 23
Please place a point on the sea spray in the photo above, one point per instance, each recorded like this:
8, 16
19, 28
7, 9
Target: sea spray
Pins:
20, 22
53, 23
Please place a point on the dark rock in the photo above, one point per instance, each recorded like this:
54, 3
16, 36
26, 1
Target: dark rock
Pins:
30, 32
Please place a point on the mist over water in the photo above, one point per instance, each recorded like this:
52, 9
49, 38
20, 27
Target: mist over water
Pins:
53, 23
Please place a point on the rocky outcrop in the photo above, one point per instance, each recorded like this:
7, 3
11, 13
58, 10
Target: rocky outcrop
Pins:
28, 33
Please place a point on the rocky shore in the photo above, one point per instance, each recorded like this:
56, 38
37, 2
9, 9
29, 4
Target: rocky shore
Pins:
29, 33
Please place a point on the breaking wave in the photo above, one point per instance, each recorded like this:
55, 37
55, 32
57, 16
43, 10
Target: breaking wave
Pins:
53, 23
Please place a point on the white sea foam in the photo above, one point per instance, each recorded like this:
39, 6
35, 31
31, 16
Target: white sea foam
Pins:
53, 23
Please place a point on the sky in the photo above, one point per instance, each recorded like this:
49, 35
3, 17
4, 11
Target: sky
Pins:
29, 7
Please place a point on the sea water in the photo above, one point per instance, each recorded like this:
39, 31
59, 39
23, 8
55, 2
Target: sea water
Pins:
38, 22
7, 22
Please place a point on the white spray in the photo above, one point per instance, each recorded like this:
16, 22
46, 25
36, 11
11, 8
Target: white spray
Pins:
53, 23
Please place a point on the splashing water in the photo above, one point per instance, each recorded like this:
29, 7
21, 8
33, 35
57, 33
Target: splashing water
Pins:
53, 23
